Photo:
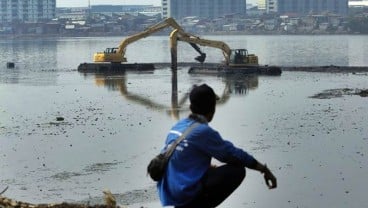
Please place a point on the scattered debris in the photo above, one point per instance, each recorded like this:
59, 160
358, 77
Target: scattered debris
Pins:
59, 118
363, 93
10, 65
109, 198
336, 93
110, 202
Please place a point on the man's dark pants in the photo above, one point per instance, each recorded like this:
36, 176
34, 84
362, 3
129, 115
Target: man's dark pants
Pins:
218, 184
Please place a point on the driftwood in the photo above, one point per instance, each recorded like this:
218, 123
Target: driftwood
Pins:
110, 202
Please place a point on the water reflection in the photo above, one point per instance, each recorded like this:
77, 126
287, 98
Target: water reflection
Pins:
240, 84
233, 85
118, 82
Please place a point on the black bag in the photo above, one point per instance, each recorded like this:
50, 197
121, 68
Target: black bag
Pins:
157, 166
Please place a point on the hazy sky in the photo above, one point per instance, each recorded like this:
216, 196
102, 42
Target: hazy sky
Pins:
84, 3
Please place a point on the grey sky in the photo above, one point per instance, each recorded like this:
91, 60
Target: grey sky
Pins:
84, 3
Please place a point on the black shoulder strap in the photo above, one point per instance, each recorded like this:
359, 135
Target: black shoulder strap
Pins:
178, 140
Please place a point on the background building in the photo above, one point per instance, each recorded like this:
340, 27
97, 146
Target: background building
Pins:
202, 8
29, 11
119, 8
304, 7
261, 4
271, 6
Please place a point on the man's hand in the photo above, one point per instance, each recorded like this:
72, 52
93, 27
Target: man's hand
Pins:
270, 179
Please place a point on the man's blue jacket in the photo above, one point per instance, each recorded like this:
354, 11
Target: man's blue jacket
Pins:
191, 160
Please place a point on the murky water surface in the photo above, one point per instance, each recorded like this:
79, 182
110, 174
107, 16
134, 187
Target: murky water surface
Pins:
112, 125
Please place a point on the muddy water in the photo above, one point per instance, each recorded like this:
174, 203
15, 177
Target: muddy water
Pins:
113, 124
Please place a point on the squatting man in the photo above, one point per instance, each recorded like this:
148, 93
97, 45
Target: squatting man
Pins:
190, 180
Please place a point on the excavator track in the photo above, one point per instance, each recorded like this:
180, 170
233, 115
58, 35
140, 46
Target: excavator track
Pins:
114, 67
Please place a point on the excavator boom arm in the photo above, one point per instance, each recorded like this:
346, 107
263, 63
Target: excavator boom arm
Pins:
226, 50
169, 22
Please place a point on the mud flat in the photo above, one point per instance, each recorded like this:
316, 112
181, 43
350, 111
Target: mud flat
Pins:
65, 137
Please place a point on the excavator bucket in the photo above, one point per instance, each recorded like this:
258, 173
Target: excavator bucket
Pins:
201, 58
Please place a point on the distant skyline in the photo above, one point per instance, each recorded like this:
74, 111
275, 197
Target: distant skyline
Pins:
84, 3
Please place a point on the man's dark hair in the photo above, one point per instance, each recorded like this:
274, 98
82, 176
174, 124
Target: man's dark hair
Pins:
202, 99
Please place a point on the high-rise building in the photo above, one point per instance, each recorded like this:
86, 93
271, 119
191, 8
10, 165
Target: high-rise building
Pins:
261, 4
271, 6
27, 10
202, 8
303, 7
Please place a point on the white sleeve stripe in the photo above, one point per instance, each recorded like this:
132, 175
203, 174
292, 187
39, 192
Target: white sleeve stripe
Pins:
176, 132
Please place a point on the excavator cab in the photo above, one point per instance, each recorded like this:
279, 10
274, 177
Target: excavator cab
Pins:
110, 50
241, 56
109, 55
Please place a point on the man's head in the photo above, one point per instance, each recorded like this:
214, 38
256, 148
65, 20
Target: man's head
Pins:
203, 101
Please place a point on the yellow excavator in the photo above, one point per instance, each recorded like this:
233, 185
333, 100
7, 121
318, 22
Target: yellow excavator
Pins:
117, 54
236, 60
114, 59
233, 57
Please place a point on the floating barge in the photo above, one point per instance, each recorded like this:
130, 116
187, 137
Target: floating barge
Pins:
114, 67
